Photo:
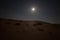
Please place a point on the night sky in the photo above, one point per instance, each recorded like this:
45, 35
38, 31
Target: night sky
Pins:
46, 10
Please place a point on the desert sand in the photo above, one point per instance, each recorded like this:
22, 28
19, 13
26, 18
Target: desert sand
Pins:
28, 30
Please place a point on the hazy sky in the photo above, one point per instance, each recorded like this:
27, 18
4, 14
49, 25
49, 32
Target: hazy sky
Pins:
46, 10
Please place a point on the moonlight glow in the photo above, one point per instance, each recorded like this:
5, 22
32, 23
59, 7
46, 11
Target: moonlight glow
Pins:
33, 9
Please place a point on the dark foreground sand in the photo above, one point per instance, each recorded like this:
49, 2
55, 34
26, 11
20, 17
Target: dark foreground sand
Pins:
28, 30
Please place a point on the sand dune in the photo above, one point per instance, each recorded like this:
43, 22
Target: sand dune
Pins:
28, 30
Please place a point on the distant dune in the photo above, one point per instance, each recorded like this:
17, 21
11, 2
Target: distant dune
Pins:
28, 30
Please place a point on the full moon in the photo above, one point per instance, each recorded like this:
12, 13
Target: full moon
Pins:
33, 9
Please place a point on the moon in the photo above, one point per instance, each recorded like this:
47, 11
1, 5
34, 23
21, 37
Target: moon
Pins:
33, 9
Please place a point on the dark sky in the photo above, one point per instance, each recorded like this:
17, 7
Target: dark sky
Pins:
46, 10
